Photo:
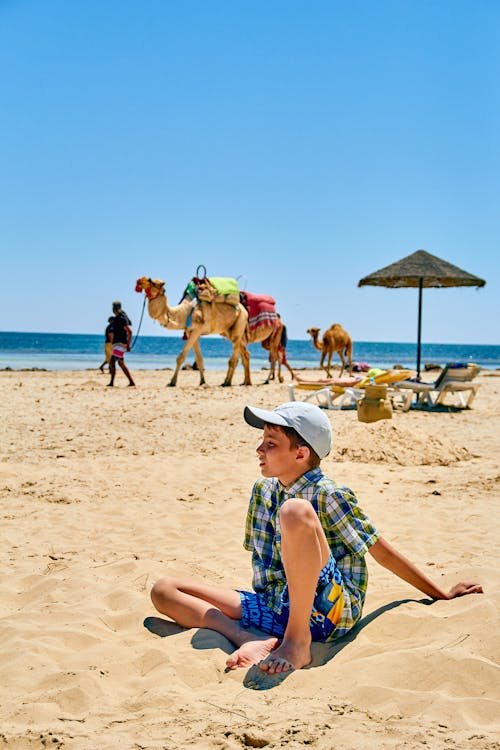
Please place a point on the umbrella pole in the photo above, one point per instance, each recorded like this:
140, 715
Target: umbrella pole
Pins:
419, 332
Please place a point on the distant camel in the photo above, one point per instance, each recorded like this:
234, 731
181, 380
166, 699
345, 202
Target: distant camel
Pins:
335, 339
230, 321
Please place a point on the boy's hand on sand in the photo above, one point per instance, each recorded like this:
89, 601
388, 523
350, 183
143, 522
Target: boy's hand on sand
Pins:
461, 589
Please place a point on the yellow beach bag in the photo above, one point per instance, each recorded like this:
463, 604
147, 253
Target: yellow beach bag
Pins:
374, 405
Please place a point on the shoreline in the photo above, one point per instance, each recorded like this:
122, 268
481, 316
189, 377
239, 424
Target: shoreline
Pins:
335, 370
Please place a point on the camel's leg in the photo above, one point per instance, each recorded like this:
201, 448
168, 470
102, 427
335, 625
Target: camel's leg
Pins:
271, 375
274, 343
235, 334
199, 360
341, 355
272, 366
282, 359
245, 361
193, 337
232, 364
275, 356
280, 376
321, 366
328, 370
348, 351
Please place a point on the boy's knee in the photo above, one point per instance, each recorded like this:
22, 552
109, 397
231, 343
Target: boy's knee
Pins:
161, 590
297, 512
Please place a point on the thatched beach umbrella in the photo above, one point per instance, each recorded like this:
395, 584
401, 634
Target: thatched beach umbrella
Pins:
421, 269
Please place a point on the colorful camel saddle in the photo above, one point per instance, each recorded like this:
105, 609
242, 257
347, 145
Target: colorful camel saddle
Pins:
261, 310
214, 289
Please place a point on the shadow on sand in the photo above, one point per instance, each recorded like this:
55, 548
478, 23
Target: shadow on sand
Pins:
322, 653
255, 678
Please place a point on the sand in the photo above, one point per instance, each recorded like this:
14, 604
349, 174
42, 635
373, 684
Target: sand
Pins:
104, 490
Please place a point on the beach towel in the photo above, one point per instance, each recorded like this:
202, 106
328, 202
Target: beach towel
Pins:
261, 310
347, 381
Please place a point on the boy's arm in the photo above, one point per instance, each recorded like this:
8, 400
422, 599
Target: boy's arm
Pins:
394, 561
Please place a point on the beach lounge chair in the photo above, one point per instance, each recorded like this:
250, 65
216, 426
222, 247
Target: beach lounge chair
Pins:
339, 393
329, 393
454, 380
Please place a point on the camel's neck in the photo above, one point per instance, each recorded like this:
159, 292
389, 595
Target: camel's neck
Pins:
174, 318
316, 344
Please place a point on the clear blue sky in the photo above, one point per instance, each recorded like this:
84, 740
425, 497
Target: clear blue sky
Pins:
299, 145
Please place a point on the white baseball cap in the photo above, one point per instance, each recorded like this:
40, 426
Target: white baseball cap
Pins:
306, 419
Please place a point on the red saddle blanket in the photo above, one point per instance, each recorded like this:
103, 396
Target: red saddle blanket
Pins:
261, 310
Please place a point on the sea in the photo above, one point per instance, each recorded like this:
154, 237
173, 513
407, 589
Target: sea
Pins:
76, 351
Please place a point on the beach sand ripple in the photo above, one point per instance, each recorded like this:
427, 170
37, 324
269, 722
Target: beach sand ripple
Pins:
104, 490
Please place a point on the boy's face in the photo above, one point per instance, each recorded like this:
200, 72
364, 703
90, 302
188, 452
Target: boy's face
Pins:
278, 459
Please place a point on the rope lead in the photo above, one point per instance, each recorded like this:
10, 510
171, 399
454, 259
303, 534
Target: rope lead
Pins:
140, 323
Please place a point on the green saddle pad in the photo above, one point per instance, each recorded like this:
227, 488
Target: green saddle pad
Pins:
224, 285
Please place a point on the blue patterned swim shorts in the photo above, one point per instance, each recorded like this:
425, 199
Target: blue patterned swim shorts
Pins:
326, 612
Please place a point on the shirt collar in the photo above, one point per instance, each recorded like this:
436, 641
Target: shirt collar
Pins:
313, 475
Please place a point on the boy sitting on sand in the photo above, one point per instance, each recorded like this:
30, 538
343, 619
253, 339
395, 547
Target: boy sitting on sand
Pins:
308, 538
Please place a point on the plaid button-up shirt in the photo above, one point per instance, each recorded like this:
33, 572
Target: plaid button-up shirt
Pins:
348, 531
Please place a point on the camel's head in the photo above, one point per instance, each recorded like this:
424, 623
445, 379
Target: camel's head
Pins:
152, 287
313, 332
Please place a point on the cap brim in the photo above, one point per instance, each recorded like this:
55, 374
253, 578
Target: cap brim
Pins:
260, 417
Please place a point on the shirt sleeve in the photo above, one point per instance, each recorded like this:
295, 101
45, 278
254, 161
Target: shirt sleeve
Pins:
248, 539
347, 522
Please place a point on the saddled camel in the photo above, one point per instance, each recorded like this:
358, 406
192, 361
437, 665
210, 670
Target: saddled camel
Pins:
335, 339
230, 321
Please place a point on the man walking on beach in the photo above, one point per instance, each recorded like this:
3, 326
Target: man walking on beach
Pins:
120, 336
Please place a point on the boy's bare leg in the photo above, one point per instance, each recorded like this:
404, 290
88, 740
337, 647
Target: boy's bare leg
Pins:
194, 604
304, 552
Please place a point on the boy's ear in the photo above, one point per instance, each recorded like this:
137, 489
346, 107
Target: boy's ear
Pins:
303, 452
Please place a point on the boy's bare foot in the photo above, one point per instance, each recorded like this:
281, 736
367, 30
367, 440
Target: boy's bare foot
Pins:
287, 657
251, 652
